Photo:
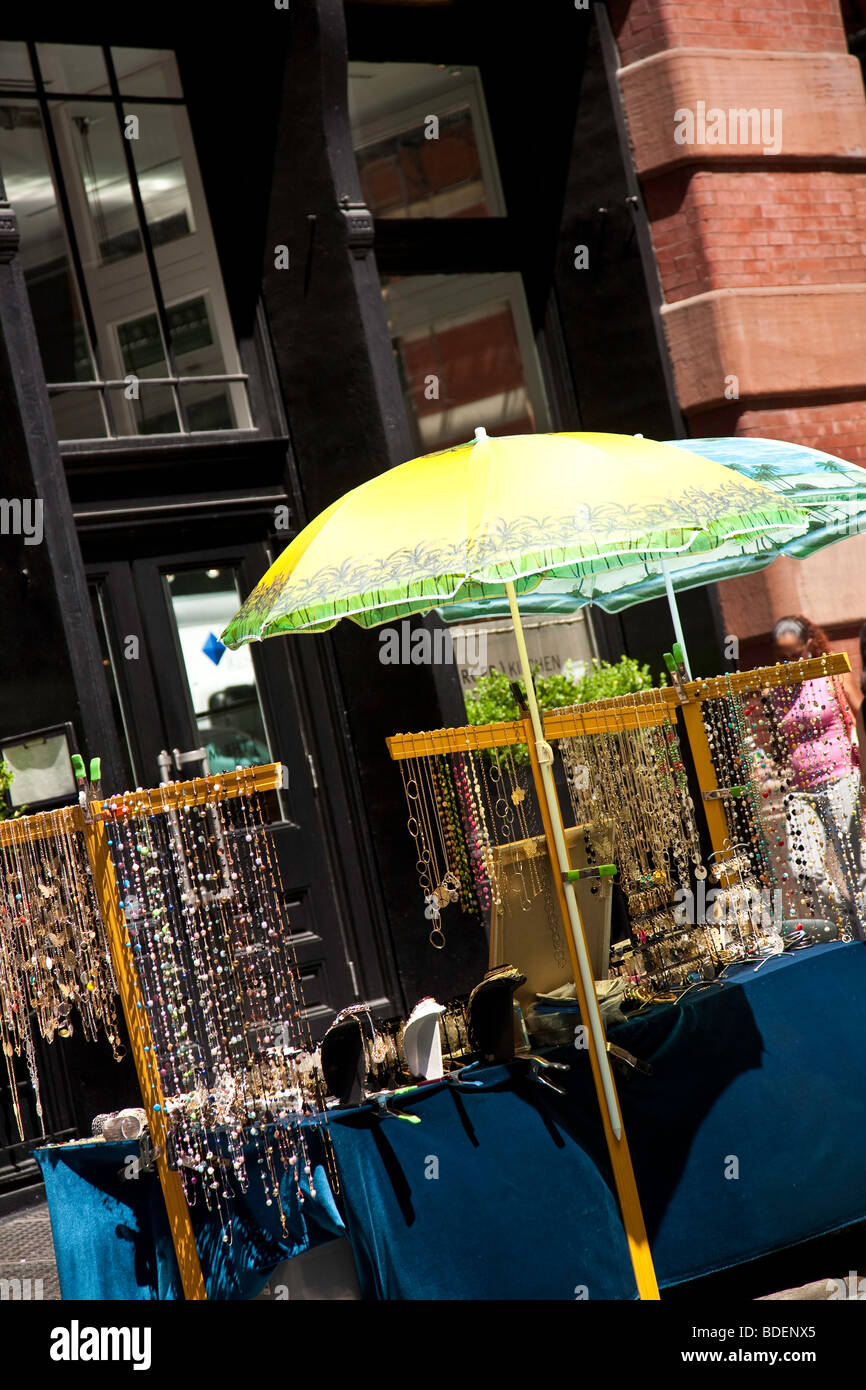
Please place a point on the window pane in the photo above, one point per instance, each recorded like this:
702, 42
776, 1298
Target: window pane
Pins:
465, 356
127, 336
421, 141
161, 177
78, 414
54, 300
146, 72
72, 67
222, 683
15, 65
201, 335
208, 407
198, 353
118, 279
143, 409
92, 129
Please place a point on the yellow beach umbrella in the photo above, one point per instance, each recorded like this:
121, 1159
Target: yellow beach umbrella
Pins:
464, 523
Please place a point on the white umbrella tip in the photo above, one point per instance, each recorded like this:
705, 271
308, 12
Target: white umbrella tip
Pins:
480, 432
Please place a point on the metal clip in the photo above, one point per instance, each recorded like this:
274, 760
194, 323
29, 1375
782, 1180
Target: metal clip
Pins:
596, 871
88, 790
675, 663
538, 1063
381, 1098
724, 793
630, 1060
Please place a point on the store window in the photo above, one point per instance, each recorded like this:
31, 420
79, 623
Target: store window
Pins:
466, 356
422, 141
222, 683
464, 343
97, 159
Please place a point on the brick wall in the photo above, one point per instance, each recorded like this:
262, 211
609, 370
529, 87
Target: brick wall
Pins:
722, 228
761, 257
644, 27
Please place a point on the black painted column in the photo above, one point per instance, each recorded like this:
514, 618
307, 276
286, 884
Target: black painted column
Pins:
347, 421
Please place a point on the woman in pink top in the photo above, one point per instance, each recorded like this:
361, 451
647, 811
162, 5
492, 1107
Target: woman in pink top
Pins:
814, 727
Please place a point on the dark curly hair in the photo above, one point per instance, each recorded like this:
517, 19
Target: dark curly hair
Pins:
863, 658
814, 638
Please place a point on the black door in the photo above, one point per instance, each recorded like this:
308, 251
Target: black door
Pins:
176, 687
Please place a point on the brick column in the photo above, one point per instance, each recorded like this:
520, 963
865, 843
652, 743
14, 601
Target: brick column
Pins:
748, 129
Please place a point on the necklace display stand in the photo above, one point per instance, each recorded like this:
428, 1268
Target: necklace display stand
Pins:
645, 709
91, 822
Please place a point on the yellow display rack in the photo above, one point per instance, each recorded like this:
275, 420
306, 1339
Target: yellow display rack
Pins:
92, 823
643, 709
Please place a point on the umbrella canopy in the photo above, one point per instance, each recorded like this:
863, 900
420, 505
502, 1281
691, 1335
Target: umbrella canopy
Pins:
830, 491
597, 510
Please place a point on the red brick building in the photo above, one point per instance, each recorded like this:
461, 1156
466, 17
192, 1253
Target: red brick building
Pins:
760, 246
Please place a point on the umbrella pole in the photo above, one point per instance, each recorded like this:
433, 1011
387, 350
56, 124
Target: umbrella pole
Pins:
675, 615
541, 757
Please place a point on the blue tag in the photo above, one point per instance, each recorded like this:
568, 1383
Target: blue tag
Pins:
214, 648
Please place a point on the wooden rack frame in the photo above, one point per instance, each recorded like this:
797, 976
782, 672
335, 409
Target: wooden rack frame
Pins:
644, 709
171, 796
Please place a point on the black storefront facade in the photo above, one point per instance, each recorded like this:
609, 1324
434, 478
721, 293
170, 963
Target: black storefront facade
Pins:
240, 265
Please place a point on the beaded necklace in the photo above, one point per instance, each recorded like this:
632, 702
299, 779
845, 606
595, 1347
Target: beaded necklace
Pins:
216, 966
54, 960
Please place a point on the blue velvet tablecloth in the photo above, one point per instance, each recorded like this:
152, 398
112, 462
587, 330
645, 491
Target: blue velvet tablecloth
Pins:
111, 1235
747, 1137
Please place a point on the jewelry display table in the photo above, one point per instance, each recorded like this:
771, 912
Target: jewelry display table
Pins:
747, 1137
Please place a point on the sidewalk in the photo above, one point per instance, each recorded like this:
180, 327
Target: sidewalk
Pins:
27, 1255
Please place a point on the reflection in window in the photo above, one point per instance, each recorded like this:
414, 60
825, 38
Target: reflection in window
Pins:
161, 178
72, 67
98, 145
93, 232
466, 357
197, 353
54, 296
422, 142
144, 72
222, 683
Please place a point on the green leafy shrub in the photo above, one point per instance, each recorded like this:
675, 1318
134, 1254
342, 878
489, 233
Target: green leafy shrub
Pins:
490, 699
6, 776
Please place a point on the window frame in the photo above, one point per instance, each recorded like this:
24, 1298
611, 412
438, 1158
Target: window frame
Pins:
242, 390
418, 303
469, 91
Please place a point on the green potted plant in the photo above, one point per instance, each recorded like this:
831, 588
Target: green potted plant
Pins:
6, 776
491, 700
